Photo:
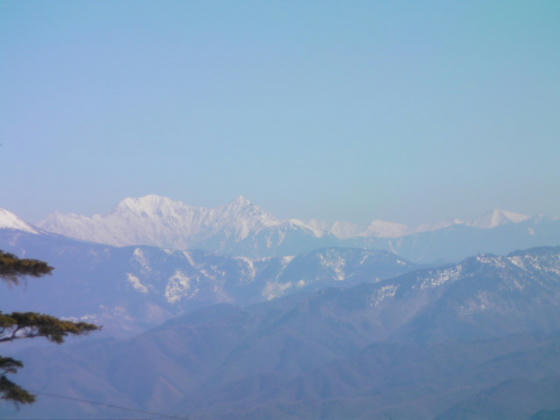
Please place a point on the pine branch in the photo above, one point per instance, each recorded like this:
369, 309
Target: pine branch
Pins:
13, 392
12, 267
18, 325
9, 365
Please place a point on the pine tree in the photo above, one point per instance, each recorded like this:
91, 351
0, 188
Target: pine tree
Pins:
19, 325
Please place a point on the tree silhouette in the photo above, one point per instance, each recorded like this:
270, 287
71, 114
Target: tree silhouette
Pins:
19, 325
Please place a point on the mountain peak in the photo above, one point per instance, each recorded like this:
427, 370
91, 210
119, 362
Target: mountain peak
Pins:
9, 220
498, 217
161, 221
385, 229
244, 216
241, 201
147, 202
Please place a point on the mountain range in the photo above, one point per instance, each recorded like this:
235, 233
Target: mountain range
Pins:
479, 339
128, 289
240, 228
155, 219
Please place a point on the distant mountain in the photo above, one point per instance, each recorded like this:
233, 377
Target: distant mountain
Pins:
241, 228
133, 288
482, 297
9, 220
489, 220
497, 218
455, 242
159, 221
427, 343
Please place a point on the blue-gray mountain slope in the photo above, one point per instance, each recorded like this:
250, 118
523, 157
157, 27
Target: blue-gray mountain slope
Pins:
410, 347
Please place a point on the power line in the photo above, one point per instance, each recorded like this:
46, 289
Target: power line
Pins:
150, 413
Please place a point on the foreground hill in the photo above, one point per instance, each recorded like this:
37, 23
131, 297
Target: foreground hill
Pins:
425, 344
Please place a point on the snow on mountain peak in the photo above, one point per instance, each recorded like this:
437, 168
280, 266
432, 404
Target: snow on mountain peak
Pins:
489, 220
317, 232
244, 216
437, 226
241, 201
345, 230
160, 221
383, 229
149, 204
497, 217
9, 220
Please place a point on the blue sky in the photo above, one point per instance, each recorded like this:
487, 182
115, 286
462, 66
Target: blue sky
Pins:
402, 110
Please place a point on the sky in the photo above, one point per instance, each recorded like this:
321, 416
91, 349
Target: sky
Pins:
400, 110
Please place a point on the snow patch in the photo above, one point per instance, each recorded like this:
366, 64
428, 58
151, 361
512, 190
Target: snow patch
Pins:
287, 260
189, 258
136, 283
336, 264
250, 266
275, 290
141, 259
179, 287
518, 261
438, 277
383, 293
487, 259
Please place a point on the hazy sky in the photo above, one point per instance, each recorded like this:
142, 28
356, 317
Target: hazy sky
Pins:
412, 111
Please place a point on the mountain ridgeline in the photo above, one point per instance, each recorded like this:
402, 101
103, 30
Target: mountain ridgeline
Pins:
241, 228
129, 289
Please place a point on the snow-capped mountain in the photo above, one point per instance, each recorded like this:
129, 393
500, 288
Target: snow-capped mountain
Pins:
376, 229
344, 230
242, 228
160, 221
497, 218
488, 220
385, 229
9, 220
